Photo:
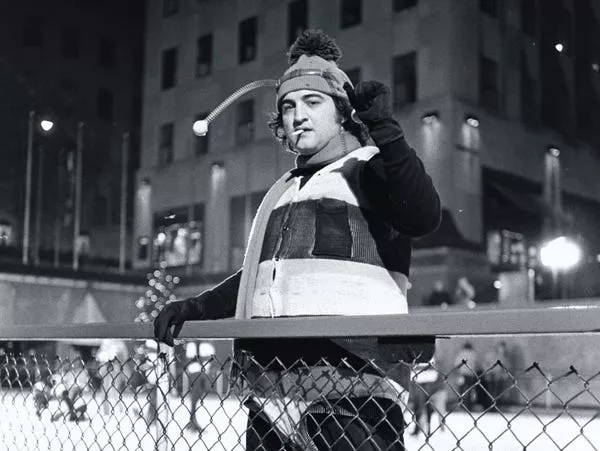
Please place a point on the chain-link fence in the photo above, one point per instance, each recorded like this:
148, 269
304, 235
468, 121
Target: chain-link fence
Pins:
199, 397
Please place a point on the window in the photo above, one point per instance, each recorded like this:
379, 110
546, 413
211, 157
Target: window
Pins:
242, 210
107, 54
200, 142
178, 235
169, 68
69, 93
244, 132
247, 40
170, 7
204, 56
488, 83
404, 73
297, 19
104, 104
401, 5
165, 148
529, 17
489, 7
350, 13
70, 40
354, 75
33, 31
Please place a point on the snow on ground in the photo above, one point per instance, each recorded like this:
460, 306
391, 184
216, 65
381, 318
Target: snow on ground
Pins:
224, 422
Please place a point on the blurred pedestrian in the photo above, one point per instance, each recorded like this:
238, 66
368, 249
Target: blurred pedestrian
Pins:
428, 394
332, 237
112, 358
495, 374
439, 296
464, 294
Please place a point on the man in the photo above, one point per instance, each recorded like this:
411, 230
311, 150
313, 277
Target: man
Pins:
331, 237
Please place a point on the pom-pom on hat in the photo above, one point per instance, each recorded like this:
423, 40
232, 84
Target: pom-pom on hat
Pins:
313, 61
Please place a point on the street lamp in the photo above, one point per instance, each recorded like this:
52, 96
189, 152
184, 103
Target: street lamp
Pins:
560, 255
46, 126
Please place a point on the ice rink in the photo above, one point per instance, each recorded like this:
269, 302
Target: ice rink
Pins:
223, 423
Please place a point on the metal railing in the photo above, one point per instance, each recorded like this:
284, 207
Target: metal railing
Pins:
138, 396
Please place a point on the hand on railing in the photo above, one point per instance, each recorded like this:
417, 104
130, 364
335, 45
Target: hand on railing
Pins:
173, 315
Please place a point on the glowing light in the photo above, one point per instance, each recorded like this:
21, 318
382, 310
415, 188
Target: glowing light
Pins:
560, 254
190, 350
497, 284
559, 47
554, 152
472, 121
46, 125
596, 67
430, 119
194, 367
206, 350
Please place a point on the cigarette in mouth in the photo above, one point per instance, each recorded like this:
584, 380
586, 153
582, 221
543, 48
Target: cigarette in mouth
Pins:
297, 132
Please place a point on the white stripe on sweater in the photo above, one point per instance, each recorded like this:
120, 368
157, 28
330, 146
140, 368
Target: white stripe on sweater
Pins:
327, 287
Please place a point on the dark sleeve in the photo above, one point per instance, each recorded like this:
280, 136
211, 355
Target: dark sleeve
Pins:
218, 302
396, 181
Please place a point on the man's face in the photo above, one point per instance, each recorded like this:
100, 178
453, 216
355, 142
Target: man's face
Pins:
310, 120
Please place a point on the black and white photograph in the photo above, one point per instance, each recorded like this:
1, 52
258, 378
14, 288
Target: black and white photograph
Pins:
300, 225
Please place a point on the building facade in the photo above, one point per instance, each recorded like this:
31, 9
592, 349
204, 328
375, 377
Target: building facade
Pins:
71, 62
492, 95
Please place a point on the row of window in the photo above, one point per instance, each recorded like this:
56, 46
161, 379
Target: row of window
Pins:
490, 95
404, 92
297, 18
350, 10
70, 42
404, 89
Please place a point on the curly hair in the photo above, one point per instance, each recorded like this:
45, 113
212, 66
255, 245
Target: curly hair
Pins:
343, 108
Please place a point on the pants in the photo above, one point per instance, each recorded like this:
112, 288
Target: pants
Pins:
378, 425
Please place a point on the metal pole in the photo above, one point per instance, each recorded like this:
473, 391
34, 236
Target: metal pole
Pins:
77, 219
28, 171
123, 218
58, 210
38, 207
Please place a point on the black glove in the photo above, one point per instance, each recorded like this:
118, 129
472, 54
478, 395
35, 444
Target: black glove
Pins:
372, 102
174, 314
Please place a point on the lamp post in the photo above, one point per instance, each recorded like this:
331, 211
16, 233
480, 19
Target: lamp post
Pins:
28, 171
123, 210
560, 255
77, 213
46, 126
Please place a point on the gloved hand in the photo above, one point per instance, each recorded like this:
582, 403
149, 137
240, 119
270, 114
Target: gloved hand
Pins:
173, 315
372, 102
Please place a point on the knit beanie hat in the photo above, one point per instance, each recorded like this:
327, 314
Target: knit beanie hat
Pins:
313, 61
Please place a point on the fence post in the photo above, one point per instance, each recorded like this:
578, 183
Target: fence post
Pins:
163, 388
